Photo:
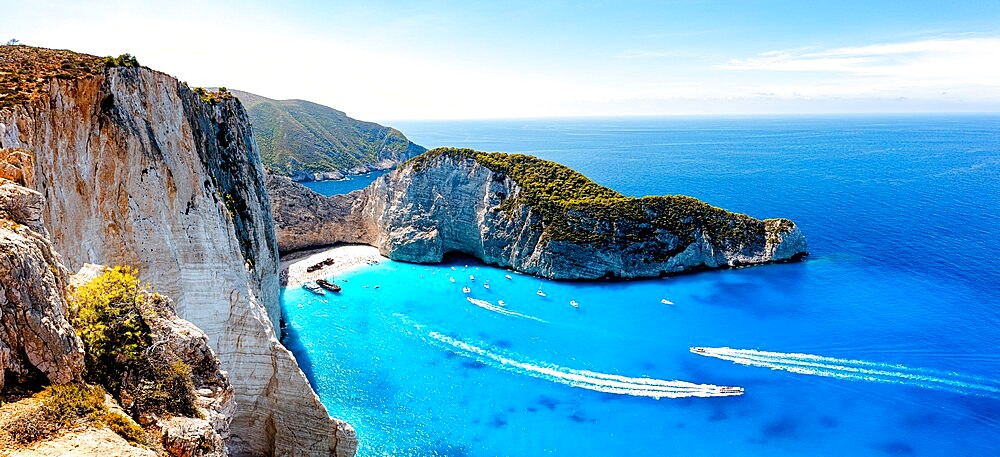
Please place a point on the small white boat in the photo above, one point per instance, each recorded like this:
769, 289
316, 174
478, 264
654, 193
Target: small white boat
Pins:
501, 303
539, 292
452, 268
466, 289
314, 288
472, 278
574, 304
486, 285
666, 302
376, 286
507, 276
451, 279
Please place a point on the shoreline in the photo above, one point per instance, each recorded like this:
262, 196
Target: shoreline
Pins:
345, 257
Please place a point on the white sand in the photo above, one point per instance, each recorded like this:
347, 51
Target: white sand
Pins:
346, 257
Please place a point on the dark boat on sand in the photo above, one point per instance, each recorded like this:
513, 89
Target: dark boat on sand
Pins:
328, 285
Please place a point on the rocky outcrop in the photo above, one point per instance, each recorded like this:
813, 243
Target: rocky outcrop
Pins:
304, 219
138, 170
530, 215
36, 337
174, 338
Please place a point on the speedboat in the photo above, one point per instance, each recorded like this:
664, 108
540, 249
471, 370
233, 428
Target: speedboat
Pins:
472, 278
501, 303
539, 292
507, 276
328, 285
486, 285
451, 279
699, 350
466, 289
666, 302
574, 304
312, 287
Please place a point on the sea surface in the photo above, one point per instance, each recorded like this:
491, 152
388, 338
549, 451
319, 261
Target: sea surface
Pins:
884, 342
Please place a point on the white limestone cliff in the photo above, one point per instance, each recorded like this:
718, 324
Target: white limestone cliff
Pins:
137, 170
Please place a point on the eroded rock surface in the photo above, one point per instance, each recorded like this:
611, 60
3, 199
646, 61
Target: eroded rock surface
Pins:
138, 170
36, 337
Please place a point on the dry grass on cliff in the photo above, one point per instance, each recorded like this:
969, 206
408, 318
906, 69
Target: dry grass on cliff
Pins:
58, 409
25, 71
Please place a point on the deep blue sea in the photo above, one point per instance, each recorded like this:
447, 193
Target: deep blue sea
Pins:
886, 341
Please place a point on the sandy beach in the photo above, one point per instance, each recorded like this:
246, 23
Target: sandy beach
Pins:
344, 258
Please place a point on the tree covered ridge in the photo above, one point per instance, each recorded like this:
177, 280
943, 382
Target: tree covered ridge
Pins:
297, 136
571, 207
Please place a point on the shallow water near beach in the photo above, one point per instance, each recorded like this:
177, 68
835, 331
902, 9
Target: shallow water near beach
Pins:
884, 342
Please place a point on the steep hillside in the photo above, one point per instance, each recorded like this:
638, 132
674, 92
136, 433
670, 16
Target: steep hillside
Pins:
308, 141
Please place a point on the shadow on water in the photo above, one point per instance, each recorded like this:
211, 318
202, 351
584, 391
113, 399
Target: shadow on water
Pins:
293, 342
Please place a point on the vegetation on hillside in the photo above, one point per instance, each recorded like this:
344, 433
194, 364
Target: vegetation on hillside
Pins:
299, 136
25, 70
58, 408
110, 315
213, 96
571, 207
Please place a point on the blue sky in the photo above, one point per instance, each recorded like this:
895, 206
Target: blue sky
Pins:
384, 60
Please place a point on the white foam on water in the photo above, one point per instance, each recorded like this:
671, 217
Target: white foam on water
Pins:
857, 370
585, 379
496, 309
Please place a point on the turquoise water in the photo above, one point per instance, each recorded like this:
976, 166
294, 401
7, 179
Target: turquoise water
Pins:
884, 342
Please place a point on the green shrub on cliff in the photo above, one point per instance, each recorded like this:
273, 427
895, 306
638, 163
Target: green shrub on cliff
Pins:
571, 207
124, 60
110, 315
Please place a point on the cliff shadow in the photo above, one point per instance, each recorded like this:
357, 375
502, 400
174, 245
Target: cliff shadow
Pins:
292, 341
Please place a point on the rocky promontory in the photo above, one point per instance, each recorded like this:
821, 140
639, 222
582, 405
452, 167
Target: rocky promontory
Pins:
531, 215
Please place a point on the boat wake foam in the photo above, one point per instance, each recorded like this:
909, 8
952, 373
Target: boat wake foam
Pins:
857, 370
584, 379
496, 309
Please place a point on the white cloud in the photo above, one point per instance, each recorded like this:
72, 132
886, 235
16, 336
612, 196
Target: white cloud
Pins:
922, 63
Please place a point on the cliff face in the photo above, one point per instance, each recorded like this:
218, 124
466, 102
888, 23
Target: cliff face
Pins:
36, 337
484, 205
138, 170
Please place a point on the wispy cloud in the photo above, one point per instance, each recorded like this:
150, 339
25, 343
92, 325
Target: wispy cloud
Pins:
915, 63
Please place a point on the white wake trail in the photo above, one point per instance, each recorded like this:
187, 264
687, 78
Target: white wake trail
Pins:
496, 309
585, 379
858, 370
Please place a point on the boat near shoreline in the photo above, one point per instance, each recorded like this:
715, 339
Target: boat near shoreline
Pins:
332, 287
